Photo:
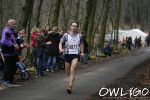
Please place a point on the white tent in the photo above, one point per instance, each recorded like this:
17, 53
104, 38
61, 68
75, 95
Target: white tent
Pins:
127, 33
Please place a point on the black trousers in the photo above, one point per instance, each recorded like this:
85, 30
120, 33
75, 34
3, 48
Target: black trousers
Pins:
10, 68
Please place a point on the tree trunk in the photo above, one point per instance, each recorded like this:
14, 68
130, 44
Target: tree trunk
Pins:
89, 6
112, 23
64, 17
66, 14
26, 12
141, 15
104, 23
38, 13
118, 12
91, 24
77, 10
149, 16
1, 16
49, 14
27, 58
55, 15
98, 22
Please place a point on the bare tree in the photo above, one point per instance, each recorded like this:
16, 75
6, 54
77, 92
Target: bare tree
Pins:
38, 13
49, 13
1, 16
28, 56
66, 10
148, 2
77, 10
89, 6
91, 24
98, 22
116, 28
56, 11
104, 23
65, 21
26, 13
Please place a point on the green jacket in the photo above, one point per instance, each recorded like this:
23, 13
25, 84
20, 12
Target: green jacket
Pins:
41, 40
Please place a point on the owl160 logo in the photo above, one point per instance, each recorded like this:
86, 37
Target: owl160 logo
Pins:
119, 92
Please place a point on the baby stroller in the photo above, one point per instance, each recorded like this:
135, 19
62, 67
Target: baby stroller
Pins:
25, 75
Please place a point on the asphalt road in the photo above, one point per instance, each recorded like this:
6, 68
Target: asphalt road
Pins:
89, 79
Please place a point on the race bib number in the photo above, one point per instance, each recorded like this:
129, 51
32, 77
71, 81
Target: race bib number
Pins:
73, 48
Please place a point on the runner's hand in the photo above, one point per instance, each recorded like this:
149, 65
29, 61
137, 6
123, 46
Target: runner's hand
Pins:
48, 43
61, 50
81, 55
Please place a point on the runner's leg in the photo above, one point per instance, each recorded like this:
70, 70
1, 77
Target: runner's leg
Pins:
67, 68
74, 64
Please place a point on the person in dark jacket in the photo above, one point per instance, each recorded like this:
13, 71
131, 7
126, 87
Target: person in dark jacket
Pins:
147, 40
21, 42
136, 42
129, 43
9, 47
85, 56
108, 51
139, 42
53, 48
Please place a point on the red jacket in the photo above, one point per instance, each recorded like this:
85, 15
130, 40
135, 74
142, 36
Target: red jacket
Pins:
33, 39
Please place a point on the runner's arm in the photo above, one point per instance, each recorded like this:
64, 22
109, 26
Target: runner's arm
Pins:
62, 41
61, 47
82, 48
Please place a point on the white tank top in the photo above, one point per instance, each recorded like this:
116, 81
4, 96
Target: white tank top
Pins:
72, 45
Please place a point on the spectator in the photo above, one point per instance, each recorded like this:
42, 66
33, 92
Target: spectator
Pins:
53, 48
9, 46
21, 41
34, 34
108, 50
61, 33
47, 29
85, 56
22, 34
136, 42
147, 40
139, 42
41, 52
129, 43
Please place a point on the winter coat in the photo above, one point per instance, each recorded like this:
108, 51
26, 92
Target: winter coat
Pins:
33, 39
53, 48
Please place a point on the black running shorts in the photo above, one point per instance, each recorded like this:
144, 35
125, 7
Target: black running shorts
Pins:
70, 57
